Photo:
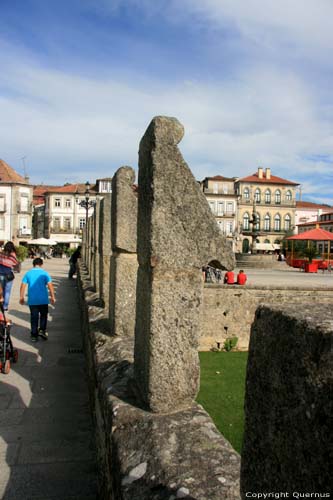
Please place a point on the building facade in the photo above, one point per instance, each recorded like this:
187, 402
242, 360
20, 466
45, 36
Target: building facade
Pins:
60, 211
222, 199
307, 211
266, 208
15, 206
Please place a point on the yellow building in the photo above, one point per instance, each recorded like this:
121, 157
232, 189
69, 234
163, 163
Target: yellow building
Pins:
266, 203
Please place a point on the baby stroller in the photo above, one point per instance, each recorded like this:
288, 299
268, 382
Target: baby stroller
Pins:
7, 351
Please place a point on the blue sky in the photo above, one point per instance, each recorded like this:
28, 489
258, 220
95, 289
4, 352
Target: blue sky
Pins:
250, 81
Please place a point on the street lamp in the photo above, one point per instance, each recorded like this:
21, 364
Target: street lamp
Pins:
87, 202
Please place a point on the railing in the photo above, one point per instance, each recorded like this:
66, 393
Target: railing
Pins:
21, 233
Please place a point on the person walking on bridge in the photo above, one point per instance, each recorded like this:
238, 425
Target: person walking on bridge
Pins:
39, 284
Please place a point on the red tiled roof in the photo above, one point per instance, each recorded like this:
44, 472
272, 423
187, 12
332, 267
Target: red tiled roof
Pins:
8, 175
273, 179
41, 190
309, 204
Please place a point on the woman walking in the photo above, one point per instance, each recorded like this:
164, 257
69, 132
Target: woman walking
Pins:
8, 261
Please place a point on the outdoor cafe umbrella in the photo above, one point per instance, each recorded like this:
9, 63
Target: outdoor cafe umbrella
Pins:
43, 242
316, 234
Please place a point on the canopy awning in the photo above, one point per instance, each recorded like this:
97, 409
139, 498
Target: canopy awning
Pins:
42, 242
314, 235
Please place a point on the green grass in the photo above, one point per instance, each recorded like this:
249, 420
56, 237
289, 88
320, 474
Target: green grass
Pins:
222, 394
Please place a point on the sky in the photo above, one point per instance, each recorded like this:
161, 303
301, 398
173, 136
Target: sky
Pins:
251, 81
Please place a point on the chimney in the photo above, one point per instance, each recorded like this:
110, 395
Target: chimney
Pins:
268, 173
260, 172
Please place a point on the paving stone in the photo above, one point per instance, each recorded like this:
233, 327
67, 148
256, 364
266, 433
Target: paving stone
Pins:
46, 434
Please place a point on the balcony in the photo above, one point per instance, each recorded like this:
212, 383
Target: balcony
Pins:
24, 232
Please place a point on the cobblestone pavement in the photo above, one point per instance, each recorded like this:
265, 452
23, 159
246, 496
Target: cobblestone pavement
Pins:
46, 435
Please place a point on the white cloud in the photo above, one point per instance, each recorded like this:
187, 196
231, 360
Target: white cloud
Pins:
262, 116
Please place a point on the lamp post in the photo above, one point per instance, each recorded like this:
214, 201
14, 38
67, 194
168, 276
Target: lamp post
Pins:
254, 231
87, 202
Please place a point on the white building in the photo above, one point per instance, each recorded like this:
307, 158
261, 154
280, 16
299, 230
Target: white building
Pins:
307, 212
60, 211
15, 206
222, 199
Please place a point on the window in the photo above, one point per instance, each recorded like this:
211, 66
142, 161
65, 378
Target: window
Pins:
267, 223
277, 223
220, 208
24, 203
246, 194
230, 207
2, 203
225, 188
229, 227
82, 222
246, 222
105, 186
287, 222
68, 203
57, 202
215, 188
2, 223
56, 223
278, 197
289, 196
67, 223
212, 206
267, 196
257, 195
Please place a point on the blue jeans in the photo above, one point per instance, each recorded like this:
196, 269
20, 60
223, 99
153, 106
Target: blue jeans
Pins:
38, 318
6, 290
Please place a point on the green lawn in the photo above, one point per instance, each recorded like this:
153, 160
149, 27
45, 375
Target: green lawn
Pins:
222, 392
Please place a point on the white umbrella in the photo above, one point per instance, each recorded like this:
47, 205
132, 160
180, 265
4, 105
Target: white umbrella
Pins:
43, 242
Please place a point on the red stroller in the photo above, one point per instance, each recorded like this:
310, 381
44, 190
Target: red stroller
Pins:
7, 351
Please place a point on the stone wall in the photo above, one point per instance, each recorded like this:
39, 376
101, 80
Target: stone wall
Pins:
143, 455
288, 404
230, 310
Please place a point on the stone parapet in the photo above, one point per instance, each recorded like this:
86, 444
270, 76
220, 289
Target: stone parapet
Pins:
288, 403
141, 455
229, 310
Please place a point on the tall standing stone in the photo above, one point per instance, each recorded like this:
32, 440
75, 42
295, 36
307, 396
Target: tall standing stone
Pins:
124, 263
177, 235
96, 250
104, 249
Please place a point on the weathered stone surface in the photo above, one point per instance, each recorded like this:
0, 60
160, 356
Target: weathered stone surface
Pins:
124, 263
177, 228
289, 401
146, 456
96, 251
177, 236
124, 211
230, 310
105, 249
123, 275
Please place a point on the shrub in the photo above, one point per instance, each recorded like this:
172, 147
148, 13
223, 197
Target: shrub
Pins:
21, 253
230, 343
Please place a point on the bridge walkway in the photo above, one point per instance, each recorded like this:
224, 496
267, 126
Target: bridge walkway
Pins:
46, 431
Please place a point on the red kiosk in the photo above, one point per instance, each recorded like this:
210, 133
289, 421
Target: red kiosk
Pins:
311, 235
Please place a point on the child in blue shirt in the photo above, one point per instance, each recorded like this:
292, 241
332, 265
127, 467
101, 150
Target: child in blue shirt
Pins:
39, 285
